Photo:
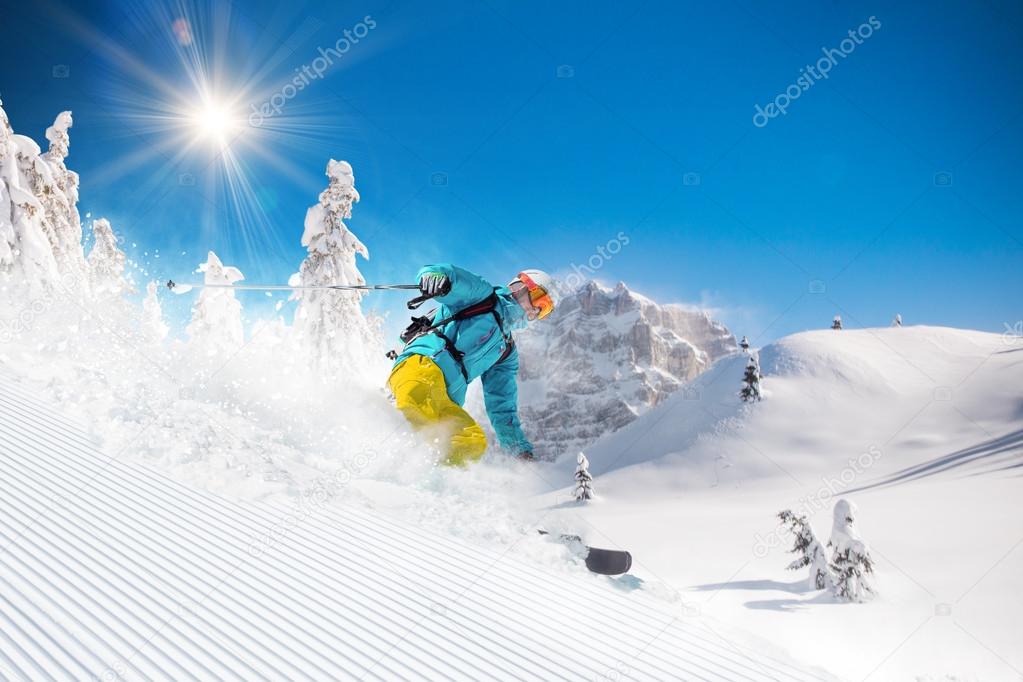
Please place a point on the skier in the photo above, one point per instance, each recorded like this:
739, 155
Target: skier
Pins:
468, 336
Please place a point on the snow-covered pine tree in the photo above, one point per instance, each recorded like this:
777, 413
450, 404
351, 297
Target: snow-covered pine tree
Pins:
8, 238
837, 322
583, 480
751, 381
808, 550
897, 322
216, 325
57, 190
744, 344
26, 255
331, 322
153, 328
851, 563
106, 262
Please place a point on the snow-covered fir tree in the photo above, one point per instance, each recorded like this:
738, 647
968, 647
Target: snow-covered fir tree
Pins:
851, 563
331, 322
216, 325
154, 329
808, 550
751, 381
897, 322
744, 344
106, 262
26, 255
57, 190
837, 322
583, 480
8, 237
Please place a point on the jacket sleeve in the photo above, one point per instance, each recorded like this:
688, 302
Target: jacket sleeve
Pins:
466, 287
501, 396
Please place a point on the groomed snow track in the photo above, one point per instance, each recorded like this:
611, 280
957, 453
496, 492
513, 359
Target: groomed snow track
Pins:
111, 571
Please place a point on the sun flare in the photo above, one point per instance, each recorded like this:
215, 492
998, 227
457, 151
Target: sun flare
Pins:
214, 121
202, 118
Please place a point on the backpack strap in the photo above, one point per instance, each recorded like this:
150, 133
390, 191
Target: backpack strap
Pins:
509, 342
457, 355
509, 346
420, 327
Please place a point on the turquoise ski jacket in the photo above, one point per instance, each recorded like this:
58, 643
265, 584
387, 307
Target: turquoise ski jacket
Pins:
483, 343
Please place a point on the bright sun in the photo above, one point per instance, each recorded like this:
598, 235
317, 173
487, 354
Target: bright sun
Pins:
214, 122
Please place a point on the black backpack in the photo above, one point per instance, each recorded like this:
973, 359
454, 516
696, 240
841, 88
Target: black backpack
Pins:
424, 325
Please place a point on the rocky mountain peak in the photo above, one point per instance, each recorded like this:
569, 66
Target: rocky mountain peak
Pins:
592, 298
606, 355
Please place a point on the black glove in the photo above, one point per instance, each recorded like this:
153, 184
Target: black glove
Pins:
434, 284
525, 456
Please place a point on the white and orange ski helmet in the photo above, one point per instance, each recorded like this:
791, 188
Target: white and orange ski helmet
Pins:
540, 286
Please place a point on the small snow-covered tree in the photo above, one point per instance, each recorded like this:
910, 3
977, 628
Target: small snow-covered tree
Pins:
106, 261
60, 141
5, 129
216, 324
154, 329
851, 563
751, 381
583, 479
808, 550
744, 344
331, 322
897, 322
837, 322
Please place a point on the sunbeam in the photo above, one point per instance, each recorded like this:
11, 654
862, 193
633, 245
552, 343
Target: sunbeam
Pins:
195, 115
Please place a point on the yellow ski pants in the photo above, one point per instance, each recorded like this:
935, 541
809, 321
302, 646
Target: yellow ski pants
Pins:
422, 396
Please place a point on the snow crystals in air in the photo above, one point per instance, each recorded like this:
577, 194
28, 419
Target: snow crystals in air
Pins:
293, 412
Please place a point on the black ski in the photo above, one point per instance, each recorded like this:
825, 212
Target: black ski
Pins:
602, 561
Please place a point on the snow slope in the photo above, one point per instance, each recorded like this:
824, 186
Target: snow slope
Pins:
921, 426
110, 570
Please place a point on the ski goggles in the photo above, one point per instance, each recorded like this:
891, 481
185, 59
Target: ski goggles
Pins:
541, 301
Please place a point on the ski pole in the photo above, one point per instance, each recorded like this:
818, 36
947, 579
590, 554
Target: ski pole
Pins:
412, 305
182, 288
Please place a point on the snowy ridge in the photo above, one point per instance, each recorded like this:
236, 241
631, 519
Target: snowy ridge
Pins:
829, 395
111, 569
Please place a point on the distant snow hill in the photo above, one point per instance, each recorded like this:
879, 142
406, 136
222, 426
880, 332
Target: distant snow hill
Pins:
109, 570
604, 357
932, 401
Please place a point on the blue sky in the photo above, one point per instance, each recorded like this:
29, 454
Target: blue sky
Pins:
508, 135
